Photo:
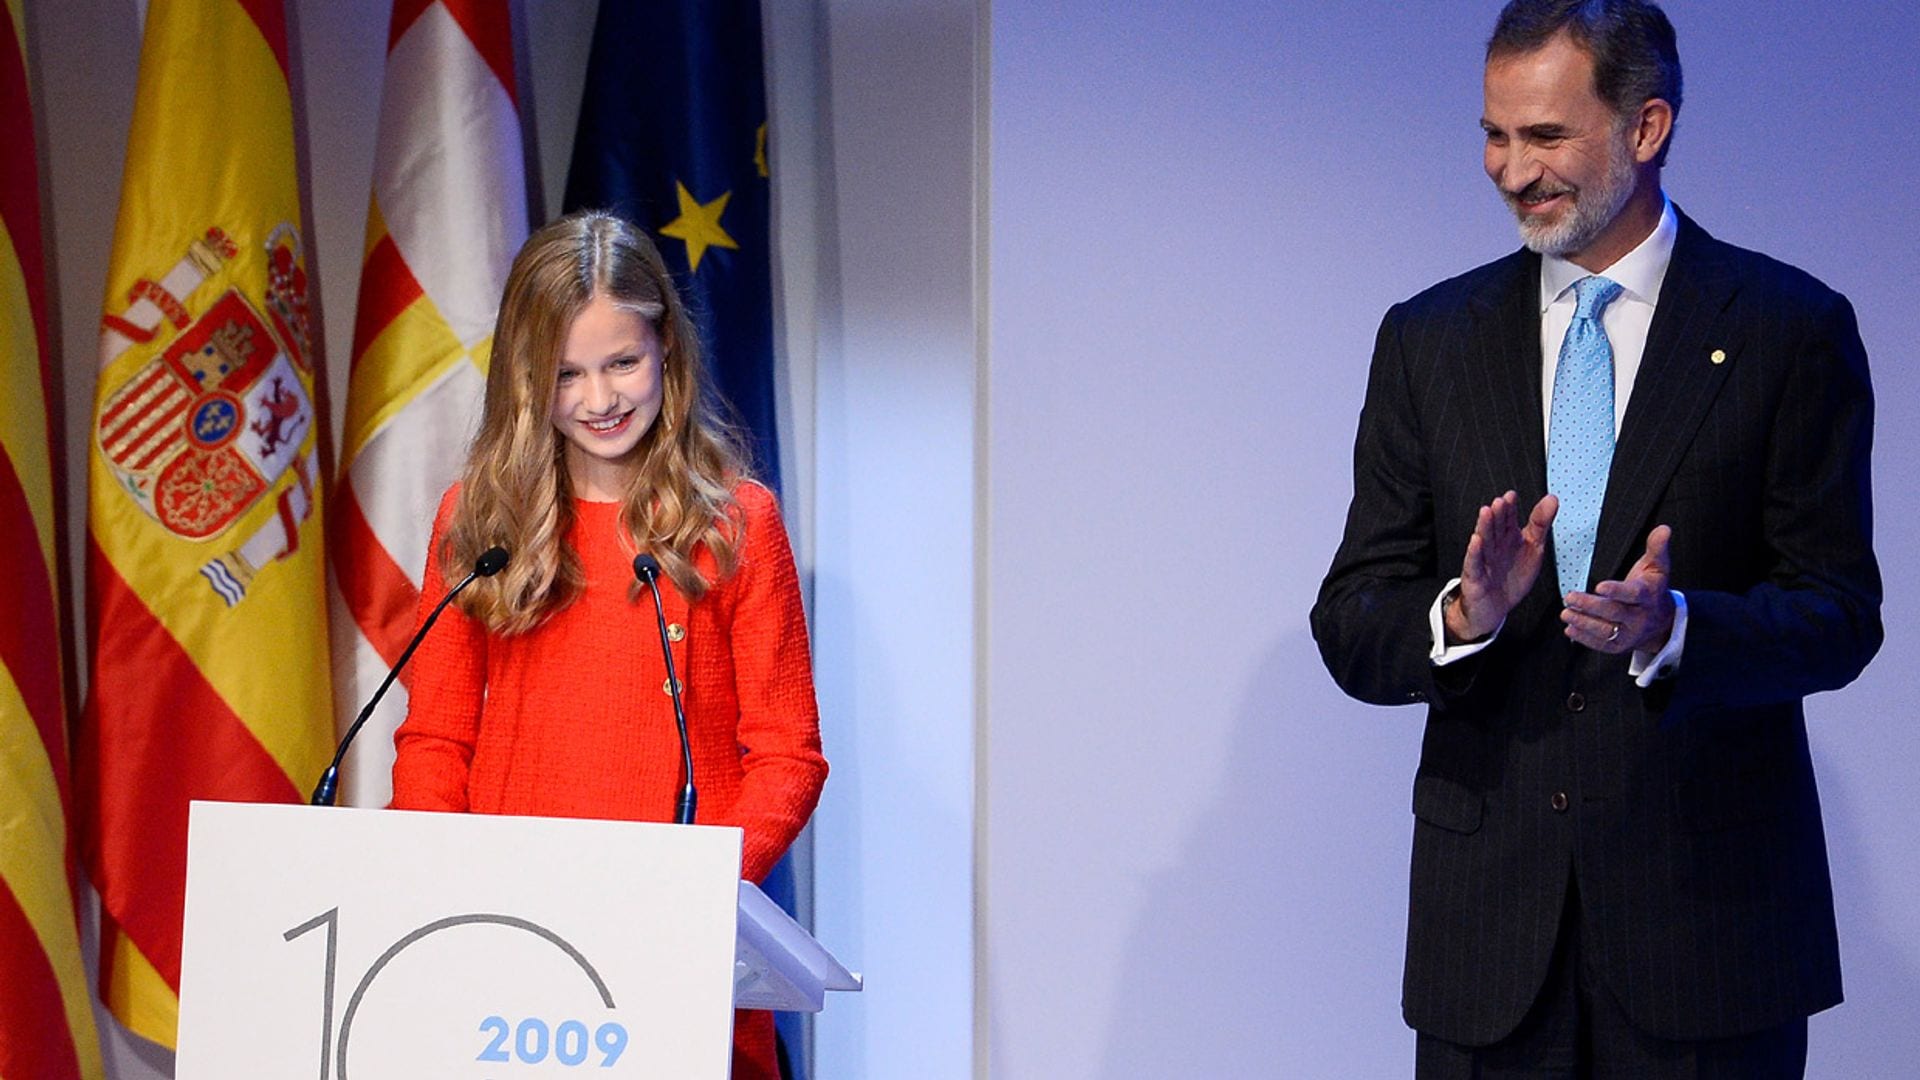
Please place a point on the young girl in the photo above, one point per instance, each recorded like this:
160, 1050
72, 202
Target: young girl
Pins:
544, 691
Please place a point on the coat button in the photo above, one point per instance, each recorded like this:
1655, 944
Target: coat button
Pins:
1559, 802
1576, 702
668, 686
675, 632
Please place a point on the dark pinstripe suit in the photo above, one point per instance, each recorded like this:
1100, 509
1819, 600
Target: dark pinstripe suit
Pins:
1692, 821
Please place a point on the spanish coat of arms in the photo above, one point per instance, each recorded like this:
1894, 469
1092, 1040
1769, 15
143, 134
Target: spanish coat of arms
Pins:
207, 428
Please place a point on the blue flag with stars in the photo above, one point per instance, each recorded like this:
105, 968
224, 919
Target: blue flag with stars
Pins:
673, 136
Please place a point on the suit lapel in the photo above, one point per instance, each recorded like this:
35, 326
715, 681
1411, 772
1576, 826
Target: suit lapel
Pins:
1504, 399
1676, 384
1504, 403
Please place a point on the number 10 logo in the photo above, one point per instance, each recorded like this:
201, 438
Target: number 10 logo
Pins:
532, 1041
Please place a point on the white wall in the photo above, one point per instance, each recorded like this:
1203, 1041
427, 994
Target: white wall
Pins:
1196, 848
894, 532
1195, 856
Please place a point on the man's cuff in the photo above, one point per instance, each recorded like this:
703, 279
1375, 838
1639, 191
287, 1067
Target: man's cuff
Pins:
1442, 653
1645, 667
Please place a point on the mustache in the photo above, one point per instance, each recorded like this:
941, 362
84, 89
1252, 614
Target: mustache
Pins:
1538, 191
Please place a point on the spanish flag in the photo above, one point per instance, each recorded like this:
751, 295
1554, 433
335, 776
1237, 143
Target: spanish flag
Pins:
206, 582
46, 1013
447, 213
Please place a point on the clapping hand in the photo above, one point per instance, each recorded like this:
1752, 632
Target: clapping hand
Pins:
1503, 559
1634, 615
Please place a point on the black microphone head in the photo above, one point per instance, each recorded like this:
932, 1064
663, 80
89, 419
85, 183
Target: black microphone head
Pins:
646, 568
491, 561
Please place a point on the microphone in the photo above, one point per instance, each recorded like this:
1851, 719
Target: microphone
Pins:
491, 561
647, 569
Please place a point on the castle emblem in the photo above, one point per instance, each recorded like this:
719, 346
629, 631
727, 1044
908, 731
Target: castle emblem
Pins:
214, 423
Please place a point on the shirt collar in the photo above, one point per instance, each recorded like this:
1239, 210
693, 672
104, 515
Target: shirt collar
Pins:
1639, 272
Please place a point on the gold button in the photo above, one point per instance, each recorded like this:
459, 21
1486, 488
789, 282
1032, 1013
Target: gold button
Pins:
675, 631
1719, 356
668, 686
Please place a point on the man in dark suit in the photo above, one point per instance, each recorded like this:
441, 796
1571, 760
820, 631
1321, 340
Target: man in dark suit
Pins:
1611, 524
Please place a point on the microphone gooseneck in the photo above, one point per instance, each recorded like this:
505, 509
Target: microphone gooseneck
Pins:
491, 561
647, 569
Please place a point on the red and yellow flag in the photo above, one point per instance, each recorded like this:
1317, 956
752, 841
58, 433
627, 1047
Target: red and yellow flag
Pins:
448, 211
207, 590
46, 1012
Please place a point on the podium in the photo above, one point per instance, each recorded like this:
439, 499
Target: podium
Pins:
370, 944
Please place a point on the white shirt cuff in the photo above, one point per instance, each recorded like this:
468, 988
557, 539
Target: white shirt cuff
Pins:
1442, 653
1645, 667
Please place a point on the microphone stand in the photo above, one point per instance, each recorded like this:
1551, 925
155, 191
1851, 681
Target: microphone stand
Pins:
647, 569
490, 562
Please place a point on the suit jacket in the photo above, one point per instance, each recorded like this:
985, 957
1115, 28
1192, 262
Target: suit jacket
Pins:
1691, 820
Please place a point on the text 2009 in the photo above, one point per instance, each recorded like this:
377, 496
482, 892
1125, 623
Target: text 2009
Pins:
532, 1041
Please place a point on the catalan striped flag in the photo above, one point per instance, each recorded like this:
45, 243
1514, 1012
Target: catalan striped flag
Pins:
46, 1011
207, 594
448, 212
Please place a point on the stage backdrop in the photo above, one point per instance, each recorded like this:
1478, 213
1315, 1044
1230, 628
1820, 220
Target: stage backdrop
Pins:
1089, 555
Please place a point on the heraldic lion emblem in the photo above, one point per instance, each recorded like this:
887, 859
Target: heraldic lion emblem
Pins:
207, 428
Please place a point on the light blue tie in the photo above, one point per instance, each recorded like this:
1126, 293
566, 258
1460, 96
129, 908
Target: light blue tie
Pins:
1580, 435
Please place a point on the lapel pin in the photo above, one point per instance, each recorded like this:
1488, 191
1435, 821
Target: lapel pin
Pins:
1719, 356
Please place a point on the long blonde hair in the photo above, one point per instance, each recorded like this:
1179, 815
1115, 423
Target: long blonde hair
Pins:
515, 490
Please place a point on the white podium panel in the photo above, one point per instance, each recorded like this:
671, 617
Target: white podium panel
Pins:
375, 944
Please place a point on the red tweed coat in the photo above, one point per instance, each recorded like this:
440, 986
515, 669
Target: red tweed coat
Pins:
572, 719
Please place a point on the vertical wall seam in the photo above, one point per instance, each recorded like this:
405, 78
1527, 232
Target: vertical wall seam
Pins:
982, 521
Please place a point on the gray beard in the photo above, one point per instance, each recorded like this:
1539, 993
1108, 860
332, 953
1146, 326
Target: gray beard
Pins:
1593, 210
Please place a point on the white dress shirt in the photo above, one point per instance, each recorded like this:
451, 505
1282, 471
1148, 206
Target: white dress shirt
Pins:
1639, 273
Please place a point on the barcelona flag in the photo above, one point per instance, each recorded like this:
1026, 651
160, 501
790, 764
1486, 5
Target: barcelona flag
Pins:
447, 211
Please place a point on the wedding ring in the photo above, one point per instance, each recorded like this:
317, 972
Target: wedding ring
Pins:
1614, 634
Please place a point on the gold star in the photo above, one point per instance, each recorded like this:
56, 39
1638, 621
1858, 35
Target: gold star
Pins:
699, 225
760, 150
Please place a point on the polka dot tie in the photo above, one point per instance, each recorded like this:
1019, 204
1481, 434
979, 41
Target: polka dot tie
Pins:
1580, 435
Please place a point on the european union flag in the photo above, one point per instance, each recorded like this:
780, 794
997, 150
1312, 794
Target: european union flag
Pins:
673, 136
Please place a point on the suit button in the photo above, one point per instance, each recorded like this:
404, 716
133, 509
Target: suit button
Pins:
1415, 695
670, 685
675, 632
1576, 702
1559, 802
